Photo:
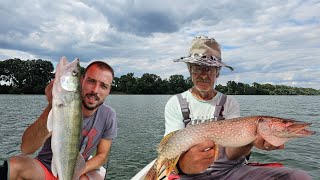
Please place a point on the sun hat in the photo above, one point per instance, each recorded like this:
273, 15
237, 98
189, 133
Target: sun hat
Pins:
204, 51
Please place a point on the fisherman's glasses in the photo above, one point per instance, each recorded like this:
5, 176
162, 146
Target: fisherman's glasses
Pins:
201, 69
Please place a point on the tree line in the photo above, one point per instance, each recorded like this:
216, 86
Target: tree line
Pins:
31, 77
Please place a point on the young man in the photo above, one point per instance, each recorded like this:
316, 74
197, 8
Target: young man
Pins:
98, 130
202, 103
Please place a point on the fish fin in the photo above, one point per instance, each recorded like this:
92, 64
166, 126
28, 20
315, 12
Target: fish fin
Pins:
54, 167
273, 140
165, 140
59, 101
276, 141
80, 166
50, 121
171, 164
216, 152
152, 173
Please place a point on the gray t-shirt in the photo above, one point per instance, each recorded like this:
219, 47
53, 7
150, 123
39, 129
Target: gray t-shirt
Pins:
101, 125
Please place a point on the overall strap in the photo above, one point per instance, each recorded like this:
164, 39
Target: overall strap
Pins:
219, 108
184, 109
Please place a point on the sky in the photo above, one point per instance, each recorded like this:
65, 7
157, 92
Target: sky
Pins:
271, 41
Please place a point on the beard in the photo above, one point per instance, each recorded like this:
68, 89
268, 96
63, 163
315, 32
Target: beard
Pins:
202, 80
93, 106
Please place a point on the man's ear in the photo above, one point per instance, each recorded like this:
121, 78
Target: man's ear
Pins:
217, 75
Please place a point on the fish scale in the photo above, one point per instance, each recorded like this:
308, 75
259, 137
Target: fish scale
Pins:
65, 121
235, 132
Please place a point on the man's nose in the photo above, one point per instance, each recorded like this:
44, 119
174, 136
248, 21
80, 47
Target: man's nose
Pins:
203, 74
95, 88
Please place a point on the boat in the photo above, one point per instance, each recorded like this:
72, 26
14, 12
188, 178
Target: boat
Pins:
141, 174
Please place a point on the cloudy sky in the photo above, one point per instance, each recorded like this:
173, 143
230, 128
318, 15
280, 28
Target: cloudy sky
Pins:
270, 41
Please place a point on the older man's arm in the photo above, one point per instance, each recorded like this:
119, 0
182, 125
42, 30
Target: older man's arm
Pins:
260, 143
235, 153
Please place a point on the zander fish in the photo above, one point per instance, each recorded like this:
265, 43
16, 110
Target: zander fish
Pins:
235, 132
65, 121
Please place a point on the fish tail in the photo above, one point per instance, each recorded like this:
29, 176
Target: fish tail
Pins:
171, 164
152, 173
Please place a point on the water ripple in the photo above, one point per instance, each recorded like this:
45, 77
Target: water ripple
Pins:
141, 127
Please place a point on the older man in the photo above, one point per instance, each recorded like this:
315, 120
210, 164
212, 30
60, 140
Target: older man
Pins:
203, 103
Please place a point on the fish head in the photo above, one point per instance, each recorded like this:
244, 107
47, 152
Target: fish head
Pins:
277, 131
68, 75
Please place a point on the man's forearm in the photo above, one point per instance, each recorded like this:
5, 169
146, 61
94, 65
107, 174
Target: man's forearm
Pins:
235, 153
95, 162
36, 134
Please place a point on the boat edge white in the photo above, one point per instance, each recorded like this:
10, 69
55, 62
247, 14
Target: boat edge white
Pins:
141, 174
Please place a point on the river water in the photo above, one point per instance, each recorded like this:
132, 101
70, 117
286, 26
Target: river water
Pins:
141, 127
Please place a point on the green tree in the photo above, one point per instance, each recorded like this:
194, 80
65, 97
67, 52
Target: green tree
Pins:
115, 85
259, 90
164, 87
32, 76
39, 73
177, 84
127, 84
221, 88
29, 76
189, 83
231, 87
149, 84
9, 71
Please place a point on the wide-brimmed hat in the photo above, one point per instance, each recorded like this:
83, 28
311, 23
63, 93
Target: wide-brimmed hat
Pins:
204, 51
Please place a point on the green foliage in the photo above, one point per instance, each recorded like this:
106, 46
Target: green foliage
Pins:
150, 84
125, 84
32, 76
177, 84
25, 76
264, 89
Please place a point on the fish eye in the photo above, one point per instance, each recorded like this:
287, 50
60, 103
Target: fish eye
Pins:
74, 72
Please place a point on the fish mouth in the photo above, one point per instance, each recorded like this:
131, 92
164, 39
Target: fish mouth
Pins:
298, 129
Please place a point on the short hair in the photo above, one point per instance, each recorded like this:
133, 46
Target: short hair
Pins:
101, 65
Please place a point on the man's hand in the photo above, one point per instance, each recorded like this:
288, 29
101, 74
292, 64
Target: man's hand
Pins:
198, 158
260, 143
83, 177
48, 91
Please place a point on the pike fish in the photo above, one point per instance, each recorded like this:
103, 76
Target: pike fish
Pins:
235, 132
65, 121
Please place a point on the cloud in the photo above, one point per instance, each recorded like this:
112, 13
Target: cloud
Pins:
266, 42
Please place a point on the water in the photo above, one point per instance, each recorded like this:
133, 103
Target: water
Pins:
141, 127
